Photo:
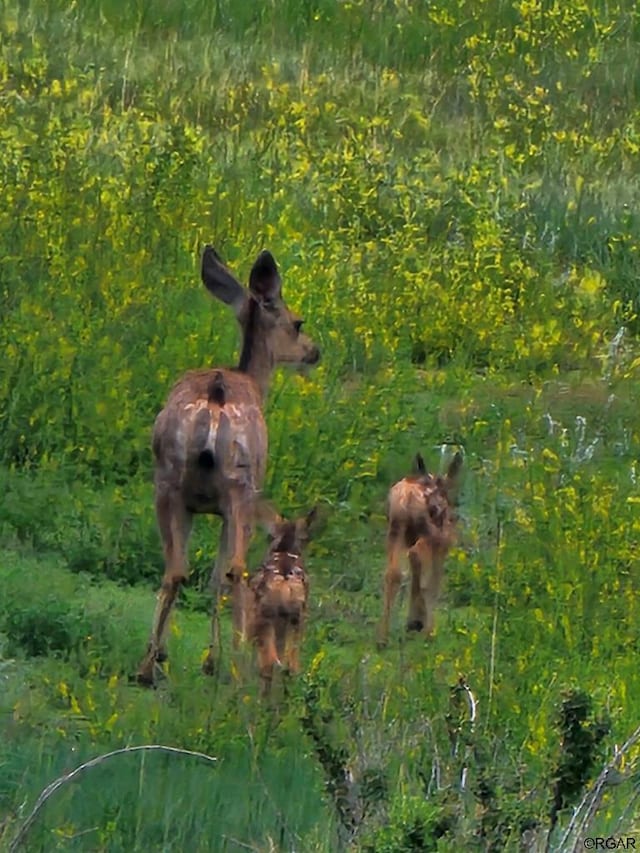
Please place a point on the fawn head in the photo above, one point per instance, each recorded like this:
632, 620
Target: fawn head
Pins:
289, 537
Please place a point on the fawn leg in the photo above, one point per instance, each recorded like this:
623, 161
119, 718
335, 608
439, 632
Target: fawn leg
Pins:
417, 618
427, 567
292, 654
392, 580
267, 656
432, 589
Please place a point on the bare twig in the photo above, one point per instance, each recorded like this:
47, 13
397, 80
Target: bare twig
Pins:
241, 843
68, 777
267, 791
436, 773
494, 629
623, 821
456, 725
473, 707
591, 800
339, 780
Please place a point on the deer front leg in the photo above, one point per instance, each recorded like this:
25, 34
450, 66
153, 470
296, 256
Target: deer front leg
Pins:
392, 581
174, 522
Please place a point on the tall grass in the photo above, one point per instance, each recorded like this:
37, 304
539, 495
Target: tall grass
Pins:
450, 191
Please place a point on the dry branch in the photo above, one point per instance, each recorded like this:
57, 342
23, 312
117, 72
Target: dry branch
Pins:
68, 777
591, 800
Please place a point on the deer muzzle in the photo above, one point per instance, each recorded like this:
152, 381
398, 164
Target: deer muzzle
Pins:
312, 356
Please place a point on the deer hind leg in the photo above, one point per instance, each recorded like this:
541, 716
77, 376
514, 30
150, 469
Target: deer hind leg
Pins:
215, 584
174, 522
432, 592
240, 530
283, 638
291, 657
267, 655
392, 579
417, 617
427, 573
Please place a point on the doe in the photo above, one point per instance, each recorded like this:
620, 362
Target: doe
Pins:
422, 524
210, 445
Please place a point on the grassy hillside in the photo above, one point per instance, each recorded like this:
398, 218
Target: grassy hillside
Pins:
451, 192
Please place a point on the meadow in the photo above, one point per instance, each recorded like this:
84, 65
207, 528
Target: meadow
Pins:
451, 191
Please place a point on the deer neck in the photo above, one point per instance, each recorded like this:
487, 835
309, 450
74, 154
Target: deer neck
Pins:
256, 358
260, 368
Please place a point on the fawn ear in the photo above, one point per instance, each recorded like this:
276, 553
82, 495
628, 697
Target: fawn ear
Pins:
454, 475
220, 282
267, 516
311, 518
418, 462
308, 523
264, 279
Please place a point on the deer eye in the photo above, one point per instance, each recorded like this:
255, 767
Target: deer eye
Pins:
297, 325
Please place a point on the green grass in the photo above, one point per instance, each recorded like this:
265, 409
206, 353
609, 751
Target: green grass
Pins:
522, 624
451, 193
63, 708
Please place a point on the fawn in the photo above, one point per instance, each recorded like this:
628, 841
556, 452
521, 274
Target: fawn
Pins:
278, 596
422, 524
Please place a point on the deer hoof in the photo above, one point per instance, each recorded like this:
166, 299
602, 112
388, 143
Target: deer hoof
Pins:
237, 574
145, 676
209, 666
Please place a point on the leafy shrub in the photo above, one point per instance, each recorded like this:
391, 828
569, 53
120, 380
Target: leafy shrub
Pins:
43, 627
581, 737
414, 825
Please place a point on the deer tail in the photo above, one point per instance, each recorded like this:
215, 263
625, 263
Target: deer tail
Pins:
200, 452
224, 438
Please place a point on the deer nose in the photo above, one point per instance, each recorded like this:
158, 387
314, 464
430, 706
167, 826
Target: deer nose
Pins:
313, 356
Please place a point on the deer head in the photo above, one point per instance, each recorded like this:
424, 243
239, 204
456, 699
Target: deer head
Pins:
271, 333
290, 536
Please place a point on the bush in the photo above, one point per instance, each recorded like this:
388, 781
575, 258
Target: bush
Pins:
43, 627
415, 826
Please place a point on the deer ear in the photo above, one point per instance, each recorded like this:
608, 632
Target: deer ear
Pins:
421, 468
307, 523
266, 515
455, 466
311, 517
454, 475
219, 281
264, 279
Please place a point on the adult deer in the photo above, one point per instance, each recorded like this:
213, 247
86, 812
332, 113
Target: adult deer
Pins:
210, 445
422, 524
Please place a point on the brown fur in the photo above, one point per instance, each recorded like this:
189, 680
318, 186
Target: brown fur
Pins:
210, 443
422, 524
278, 597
